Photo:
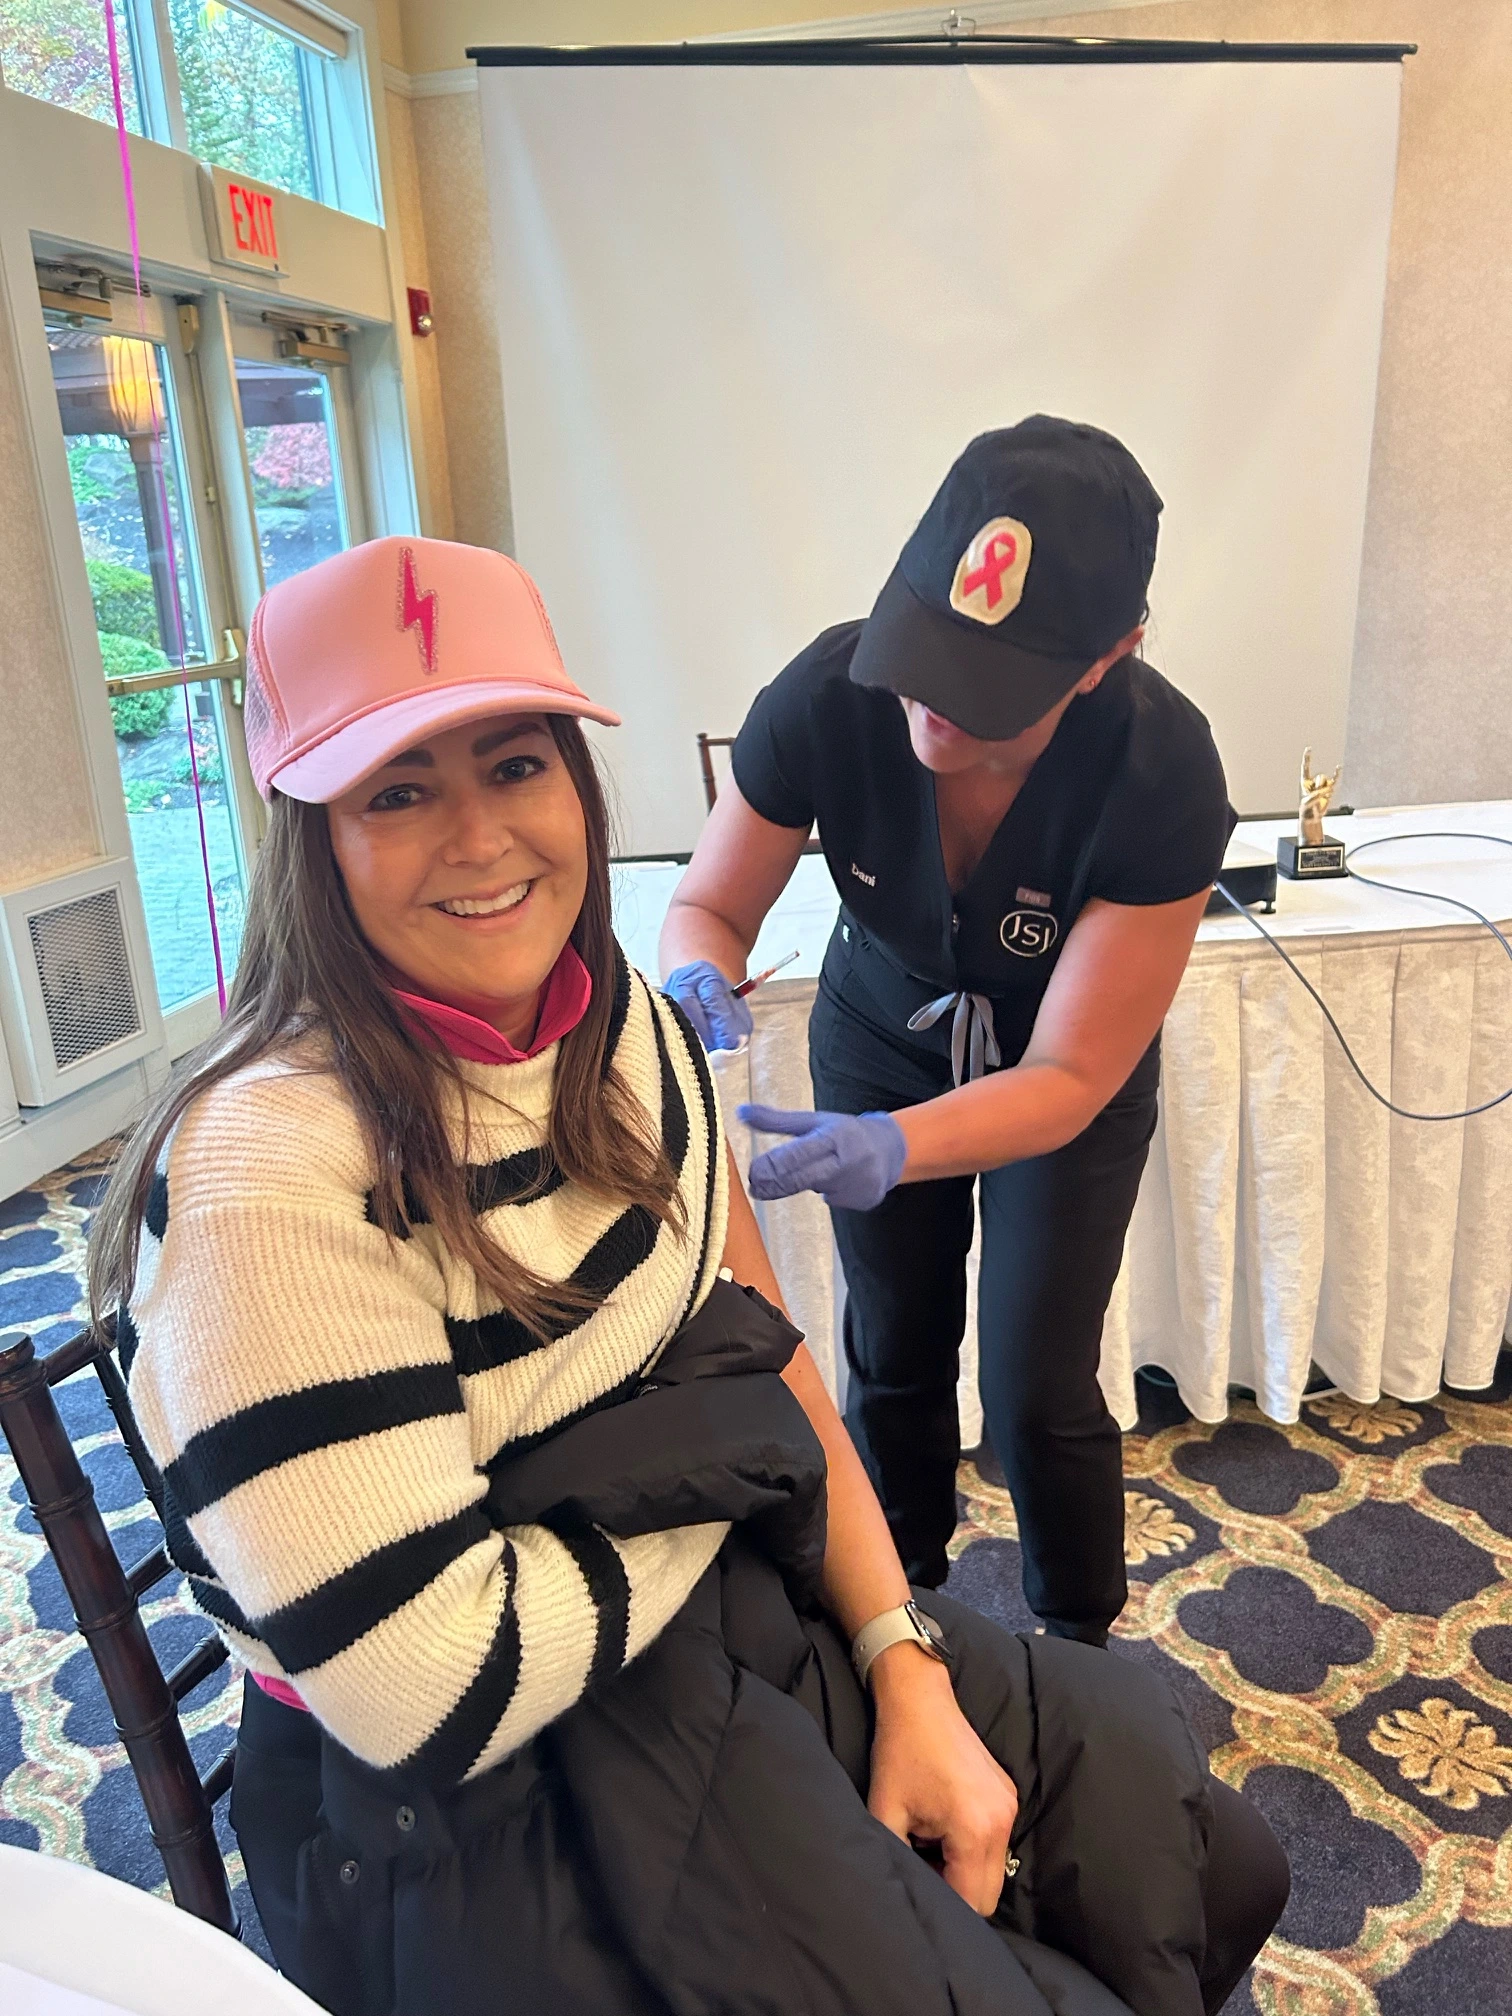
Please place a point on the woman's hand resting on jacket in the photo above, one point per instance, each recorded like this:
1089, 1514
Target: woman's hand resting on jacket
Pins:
934, 1780
932, 1776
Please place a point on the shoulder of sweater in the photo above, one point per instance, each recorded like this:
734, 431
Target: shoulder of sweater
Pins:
283, 1123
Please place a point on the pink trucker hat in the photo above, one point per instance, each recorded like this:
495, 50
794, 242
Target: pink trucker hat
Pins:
377, 648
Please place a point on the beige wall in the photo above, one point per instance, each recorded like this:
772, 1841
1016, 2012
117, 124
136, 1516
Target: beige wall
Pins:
1430, 713
1431, 699
449, 151
437, 517
46, 818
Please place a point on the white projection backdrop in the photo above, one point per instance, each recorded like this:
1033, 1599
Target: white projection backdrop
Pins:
749, 315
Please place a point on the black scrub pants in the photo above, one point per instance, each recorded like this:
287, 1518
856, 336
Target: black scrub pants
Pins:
1052, 1239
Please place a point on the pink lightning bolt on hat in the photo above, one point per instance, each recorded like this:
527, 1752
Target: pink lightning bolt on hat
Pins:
372, 651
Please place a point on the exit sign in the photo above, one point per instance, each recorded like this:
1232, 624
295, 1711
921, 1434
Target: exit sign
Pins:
247, 220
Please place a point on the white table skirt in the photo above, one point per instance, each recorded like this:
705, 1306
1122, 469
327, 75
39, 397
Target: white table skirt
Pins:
1285, 1217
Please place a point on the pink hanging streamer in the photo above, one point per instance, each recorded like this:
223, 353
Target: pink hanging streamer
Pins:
159, 428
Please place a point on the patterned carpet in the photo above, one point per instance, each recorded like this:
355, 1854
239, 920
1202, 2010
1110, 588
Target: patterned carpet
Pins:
1333, 1601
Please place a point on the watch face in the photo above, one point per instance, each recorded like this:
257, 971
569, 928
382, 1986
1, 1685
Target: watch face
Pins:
927, 1628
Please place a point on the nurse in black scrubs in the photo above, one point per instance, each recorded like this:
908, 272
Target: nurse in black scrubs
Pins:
1023, 821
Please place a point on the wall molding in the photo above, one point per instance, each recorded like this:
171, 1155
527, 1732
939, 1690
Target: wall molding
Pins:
987, 15
429, 83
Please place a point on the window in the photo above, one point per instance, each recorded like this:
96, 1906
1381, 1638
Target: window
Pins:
292, 452
244, 94
268, 88
126, 465
57, 49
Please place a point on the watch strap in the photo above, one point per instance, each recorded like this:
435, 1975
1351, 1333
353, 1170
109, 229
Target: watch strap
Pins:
905, 1624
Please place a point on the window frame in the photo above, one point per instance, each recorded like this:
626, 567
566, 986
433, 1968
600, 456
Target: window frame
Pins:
334, 88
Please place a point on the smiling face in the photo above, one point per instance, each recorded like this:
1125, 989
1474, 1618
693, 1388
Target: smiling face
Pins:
465, 861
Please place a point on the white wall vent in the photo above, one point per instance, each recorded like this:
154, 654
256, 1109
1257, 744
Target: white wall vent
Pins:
75, 1000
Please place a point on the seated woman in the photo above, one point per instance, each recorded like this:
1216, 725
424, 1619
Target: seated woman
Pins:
509, 1495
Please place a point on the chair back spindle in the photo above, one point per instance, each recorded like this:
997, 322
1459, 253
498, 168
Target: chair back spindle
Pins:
104, 1598
706, 745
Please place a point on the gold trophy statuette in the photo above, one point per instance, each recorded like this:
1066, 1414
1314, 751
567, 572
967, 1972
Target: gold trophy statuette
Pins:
1309, 855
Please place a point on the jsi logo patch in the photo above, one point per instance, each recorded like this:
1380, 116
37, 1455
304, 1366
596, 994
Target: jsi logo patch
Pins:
1028, 933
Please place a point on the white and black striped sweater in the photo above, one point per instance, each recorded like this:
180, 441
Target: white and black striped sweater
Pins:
325, 1404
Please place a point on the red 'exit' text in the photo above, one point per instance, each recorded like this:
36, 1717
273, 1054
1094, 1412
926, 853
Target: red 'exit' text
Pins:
252, 220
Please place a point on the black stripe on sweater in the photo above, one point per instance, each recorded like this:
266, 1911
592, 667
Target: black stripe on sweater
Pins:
701, 1072
514, 1179
521, 1178
674, 1109
183, 1549
213, 1599
333, 1617
478, 1343
451, 1750
619, 1008
273, 1431
609, 1588
126, 1339
155, 1216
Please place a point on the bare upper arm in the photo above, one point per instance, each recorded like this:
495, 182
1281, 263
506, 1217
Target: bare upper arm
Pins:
1111, 988
741, 865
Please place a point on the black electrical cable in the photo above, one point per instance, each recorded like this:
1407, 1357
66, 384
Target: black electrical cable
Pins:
1396, 889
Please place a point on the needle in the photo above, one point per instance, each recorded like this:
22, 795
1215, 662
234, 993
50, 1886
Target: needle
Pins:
757, 979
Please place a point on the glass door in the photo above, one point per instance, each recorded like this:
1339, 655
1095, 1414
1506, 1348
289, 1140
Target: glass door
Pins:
140, 489
297, 425
186, 510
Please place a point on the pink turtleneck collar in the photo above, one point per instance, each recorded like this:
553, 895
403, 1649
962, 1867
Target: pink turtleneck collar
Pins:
564, 1003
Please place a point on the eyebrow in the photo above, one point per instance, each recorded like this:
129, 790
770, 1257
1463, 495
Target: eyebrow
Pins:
422, 759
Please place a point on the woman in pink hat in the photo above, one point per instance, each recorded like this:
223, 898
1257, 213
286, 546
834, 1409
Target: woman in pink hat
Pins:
509, 1495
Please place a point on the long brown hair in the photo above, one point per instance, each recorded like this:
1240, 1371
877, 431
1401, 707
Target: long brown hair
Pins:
306, 970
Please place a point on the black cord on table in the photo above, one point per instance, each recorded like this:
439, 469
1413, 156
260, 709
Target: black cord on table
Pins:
1397, 889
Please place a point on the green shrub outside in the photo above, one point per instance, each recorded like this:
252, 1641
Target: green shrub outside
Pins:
209, 770
147, 795
137, 716
123, 601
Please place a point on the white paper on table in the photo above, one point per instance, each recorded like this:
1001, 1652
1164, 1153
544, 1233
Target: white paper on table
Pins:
23, 1994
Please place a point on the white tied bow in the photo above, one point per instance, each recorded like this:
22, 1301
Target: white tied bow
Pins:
973, 1040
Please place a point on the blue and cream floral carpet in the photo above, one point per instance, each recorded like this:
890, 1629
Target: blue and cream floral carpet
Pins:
1333, 1601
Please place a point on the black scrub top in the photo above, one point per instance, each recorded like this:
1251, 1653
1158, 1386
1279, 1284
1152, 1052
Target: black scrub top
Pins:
1127, 803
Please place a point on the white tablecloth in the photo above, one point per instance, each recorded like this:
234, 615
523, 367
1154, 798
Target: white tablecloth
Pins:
74, 1942
1285, 1217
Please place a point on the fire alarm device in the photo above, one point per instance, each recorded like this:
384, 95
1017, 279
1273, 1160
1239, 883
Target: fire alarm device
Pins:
421, 323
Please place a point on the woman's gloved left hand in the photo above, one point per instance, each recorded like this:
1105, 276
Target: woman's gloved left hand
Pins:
851, 1159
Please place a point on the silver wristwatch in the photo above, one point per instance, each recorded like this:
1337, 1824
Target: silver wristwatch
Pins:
906, 1624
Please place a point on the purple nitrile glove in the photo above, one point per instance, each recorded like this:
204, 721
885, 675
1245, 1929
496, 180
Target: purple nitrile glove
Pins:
851, 1159
717, 1012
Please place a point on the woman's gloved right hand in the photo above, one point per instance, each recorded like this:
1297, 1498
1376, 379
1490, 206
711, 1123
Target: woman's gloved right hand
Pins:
706, 997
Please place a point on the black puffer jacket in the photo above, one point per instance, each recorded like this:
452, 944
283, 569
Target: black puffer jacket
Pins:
689, 1838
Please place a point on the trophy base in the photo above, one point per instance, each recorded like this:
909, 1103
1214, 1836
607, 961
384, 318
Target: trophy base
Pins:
1310, 861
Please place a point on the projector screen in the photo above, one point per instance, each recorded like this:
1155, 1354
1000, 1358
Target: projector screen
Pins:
749, 313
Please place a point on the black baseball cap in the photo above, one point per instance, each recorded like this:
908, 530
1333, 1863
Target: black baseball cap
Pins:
1029, 565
